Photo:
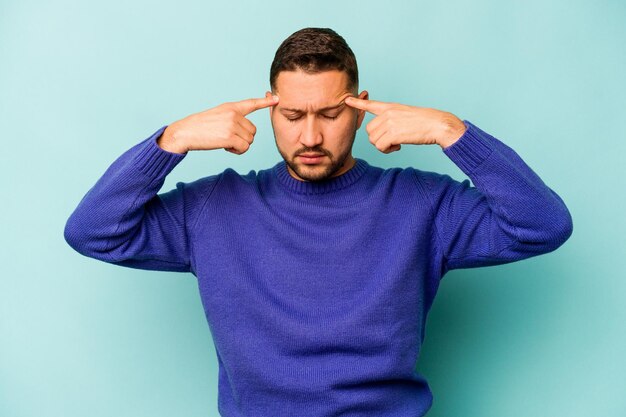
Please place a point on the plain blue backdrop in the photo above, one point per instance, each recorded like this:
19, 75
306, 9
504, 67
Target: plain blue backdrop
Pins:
81, 82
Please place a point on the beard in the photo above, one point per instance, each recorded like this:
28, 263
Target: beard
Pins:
317, 172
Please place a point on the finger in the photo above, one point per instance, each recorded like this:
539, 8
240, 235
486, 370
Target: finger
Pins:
382, 142
376, 133
392, 149
375, 124
375, 136
248, 125
239, 146
252, 104
372, 106
385, 144
243, 133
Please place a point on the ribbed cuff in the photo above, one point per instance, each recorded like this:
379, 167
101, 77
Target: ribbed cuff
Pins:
471, 149
155, 161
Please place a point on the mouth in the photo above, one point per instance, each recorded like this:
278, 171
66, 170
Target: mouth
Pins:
311, 158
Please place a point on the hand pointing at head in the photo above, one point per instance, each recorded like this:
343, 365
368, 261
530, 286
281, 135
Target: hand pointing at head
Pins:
224, 126
396, 124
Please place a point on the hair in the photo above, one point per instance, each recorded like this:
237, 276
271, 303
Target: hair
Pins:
314, 50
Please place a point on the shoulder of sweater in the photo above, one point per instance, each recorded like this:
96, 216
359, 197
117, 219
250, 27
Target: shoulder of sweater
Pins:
433, 184
416, 175
426, 182
228, 175
231, 179
199, 189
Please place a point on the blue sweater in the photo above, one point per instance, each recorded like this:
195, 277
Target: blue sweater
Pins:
316, 294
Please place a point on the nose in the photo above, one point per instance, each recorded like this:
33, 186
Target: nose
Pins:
311, 135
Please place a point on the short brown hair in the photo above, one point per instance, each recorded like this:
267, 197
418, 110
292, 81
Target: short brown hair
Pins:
315, 50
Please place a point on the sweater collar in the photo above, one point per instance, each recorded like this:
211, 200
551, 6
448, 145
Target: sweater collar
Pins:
320, 187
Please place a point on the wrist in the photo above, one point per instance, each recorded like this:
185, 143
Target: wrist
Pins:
169, 142
452, 129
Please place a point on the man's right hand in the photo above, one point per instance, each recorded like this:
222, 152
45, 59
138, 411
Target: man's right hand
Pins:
223, 126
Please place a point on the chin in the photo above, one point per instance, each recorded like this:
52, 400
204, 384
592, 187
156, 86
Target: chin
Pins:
313, 172
317, 172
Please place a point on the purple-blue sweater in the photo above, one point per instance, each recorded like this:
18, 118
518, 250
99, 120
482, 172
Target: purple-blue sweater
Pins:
316, 294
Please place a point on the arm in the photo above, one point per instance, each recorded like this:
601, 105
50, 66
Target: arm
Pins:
509, 215
122, 220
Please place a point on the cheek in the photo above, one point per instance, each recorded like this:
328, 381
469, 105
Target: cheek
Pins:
344, 128
286, 133
287, 130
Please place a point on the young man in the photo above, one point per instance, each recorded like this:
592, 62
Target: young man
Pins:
317, 274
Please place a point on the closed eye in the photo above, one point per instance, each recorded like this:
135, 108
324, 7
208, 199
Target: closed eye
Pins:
294, 119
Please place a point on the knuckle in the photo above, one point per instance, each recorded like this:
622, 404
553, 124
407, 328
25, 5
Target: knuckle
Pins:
227, 107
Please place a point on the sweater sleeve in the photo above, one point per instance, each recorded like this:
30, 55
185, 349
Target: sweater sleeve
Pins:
509, 215
122, 220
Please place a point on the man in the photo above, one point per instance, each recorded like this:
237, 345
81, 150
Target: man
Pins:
317, 274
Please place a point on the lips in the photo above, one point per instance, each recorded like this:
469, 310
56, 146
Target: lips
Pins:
316, 158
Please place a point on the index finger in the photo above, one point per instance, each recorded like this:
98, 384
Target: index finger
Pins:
252, 104
372, 106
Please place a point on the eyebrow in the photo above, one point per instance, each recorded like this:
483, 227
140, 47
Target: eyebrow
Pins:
333, 107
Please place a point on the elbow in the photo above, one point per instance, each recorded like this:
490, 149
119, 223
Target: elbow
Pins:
88, 240
72, 235
566, 229
78, 237
547, 236
562, 225
559, 232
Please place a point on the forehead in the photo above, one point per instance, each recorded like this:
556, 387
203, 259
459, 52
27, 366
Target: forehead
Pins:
310, 92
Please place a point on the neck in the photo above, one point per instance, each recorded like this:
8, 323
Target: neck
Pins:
327, 187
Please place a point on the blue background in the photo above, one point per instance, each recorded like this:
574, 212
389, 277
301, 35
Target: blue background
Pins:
82, 82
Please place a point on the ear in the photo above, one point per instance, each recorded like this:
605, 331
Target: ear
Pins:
363, 96
268, 94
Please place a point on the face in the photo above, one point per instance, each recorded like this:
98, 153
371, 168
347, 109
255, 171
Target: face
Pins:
311, 119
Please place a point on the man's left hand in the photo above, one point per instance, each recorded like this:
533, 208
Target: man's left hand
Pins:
396, 124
